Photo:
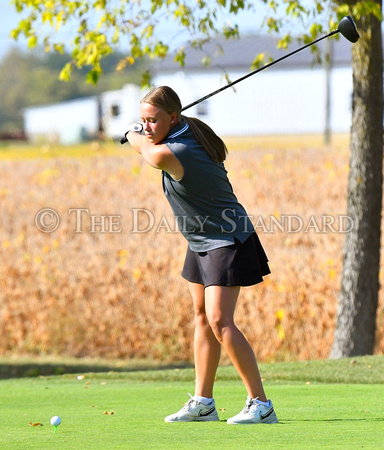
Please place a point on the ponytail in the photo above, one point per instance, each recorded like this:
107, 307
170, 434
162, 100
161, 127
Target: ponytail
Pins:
208, 139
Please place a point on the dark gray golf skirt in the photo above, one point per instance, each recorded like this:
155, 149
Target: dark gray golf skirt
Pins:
239, 264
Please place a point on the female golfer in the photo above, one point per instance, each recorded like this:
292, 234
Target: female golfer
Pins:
224, 252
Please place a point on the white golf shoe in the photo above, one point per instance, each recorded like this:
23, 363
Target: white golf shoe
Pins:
195, 411
254, 412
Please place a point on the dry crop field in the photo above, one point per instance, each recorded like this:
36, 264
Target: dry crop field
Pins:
117, 292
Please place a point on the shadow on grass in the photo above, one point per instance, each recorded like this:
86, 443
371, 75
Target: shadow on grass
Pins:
346, 419
35, 369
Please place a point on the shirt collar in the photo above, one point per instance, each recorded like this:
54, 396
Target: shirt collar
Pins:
179, 129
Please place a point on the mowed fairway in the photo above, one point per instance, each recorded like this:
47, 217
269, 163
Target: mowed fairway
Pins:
127, 410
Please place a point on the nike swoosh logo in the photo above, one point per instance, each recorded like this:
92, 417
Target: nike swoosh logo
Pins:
268, 413
206, 413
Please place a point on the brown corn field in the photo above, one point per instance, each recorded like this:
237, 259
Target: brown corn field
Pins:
106, 283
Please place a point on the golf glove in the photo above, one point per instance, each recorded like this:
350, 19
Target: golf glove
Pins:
137, 127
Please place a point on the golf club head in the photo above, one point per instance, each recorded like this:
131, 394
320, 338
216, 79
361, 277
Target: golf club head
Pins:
347, 28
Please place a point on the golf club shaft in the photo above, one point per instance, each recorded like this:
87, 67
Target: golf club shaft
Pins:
256, 71
124, 139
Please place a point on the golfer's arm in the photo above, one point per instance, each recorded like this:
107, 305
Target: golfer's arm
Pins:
155, 155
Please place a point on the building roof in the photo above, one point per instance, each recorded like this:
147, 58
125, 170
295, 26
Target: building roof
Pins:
240, 54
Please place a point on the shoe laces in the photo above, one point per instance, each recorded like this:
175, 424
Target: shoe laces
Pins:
250, 405
192, 402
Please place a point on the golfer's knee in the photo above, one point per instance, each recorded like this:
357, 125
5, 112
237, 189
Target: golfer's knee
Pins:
219, 327
201, 319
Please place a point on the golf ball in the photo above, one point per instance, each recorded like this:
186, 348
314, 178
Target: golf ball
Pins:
55, 420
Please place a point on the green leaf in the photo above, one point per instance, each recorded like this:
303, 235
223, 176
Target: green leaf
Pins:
19, 5
228, 80
284, 42
273, 24
146, 79
180, 56
364, 8
32, 41
116, 36
93, 76
65, 74
155, 5
59, 48
230, 32
122, 64
161, 50
47, 16
83, 26
206, 61
319, 8
14, 34
258, 61
25, 26
60, 20
342, 11
236, 6
273, 5
148, 31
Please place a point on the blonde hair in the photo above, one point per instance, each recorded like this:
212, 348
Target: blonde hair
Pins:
165, 98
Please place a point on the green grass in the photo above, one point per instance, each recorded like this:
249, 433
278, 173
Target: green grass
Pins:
361, 370
25, 151
315, 411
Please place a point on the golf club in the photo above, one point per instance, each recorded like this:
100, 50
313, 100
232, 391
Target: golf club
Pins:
346, 27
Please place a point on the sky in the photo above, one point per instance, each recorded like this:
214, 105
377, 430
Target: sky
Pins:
9, 19
249, 22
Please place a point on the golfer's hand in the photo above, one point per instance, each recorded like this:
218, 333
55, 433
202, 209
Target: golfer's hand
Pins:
137, 127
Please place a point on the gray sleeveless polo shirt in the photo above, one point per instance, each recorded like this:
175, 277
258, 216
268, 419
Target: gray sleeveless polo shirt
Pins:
206, 209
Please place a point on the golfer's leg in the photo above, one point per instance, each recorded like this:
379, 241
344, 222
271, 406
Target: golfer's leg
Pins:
207, 349
220, 303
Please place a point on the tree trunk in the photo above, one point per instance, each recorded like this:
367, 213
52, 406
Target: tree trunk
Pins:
358, 299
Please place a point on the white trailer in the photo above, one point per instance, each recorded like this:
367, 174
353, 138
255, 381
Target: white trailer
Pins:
74, 121
65, 123
119, 109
